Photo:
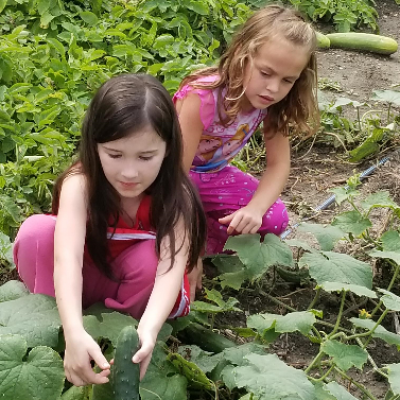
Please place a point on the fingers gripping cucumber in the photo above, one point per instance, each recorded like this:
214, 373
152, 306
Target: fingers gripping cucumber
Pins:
126, 373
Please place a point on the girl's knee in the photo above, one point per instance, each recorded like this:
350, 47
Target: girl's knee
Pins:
138, 263
36, 227
275, 219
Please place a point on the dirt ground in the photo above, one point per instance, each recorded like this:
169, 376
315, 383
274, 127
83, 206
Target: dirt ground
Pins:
358, 75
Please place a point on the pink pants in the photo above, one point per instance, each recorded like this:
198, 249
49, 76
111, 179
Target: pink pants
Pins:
226, 191
136, 267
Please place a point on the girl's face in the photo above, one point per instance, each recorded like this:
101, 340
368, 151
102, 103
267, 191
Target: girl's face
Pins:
131, 164
272, 72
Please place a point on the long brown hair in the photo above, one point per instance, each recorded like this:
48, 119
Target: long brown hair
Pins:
299, 107
121, 107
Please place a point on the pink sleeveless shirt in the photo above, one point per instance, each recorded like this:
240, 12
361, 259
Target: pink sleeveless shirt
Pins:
218, 144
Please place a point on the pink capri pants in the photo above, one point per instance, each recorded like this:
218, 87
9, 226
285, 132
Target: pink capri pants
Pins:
225, 192
136, 268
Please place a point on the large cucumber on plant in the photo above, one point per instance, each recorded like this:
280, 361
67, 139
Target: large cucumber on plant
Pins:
205, 338
363, 42
126, 373
322, 41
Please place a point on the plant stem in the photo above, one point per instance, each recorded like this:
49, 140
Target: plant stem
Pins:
361, 387
389, 288
349, 199
375, 327
315, 361
325, 375
339, 317
276, 301
315, 299
372, 361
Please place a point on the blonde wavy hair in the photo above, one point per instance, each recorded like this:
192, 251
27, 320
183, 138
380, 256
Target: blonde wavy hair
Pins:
298, 112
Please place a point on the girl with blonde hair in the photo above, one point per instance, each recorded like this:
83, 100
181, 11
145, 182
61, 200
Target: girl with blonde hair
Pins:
268, 76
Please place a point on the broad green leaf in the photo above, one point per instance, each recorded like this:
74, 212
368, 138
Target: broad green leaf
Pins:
271, 379
163, 41
35, 317
3, 3
380, 332
320, 393
198, 7
335, 267
228, 376
339, 392
341, 194
108, 326
327, 236
7, 145
191, 371
75, 393
394, 377
352, 222
259, 257
45, 20
390, 300
379, 199
234, 280
225, 263
300, 244
90, 18
215, 296
389, 96
391, 255
345, 356
40, 375
391, 241
301, 321
43, 6
338, 287
12, 290
203, 359
262, 322
235, 355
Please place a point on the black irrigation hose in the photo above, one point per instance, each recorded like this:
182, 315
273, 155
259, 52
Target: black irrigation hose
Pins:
331, 199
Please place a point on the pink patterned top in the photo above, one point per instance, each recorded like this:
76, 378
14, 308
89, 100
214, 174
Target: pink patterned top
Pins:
218, 144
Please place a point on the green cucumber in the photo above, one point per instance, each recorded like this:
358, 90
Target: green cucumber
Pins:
126, 374
363, 42
205, 338
293, 276
322, 41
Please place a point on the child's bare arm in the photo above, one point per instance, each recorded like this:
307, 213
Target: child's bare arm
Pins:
69, 240
189, 118
163, 297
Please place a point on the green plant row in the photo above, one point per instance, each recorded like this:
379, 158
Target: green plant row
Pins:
54, 55
31, 344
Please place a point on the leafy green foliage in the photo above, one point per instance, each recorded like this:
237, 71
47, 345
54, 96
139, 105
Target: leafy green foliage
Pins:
345, 356
26, 375
345, 14
270, 378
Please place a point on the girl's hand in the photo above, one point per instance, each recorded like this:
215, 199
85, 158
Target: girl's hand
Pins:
80, 350
245, 220
195, 279
143, 355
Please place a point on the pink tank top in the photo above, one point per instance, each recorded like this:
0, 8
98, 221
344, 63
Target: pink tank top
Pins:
218, 144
